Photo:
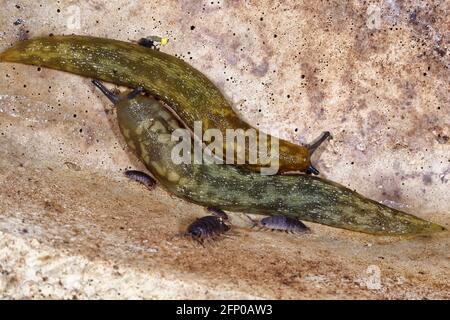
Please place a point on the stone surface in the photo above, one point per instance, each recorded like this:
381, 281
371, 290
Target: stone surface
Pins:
376, 74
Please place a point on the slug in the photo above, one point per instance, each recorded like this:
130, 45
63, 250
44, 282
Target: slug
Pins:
191, 95
147, 128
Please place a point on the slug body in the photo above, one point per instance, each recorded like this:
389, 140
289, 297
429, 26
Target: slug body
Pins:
148, 127
183, 88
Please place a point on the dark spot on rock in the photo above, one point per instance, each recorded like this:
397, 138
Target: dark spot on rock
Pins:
53, 207
427, 179
261, 69
23, 34
192, 27
413, 17
440, 51
442, 139
362, 104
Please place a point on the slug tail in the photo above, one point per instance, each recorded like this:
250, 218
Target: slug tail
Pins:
9, 55
434, 228
26, 52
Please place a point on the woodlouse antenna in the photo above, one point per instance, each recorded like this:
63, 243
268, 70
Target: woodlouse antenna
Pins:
218, 213
253, 221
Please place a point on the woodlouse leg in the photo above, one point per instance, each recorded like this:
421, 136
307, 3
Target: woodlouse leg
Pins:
199, 240
142, 178
212, 241
229, 236
108, 93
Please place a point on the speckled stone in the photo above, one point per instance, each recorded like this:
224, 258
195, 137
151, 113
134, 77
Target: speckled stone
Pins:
375, 74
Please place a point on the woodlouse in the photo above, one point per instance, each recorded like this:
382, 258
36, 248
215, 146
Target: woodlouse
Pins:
205, 228
141, 177
282, 223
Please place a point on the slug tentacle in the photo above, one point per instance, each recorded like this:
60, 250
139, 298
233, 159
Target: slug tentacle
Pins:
108, 93
133, 94
312, 170
313, 146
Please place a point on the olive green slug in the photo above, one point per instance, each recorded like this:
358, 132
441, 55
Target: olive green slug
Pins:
187, 91
148, 127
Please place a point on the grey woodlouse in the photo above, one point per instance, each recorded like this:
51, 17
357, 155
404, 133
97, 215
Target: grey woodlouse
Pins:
205, 228
141, 177
282, 223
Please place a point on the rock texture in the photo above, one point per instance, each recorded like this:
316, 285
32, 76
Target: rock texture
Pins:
375, 74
